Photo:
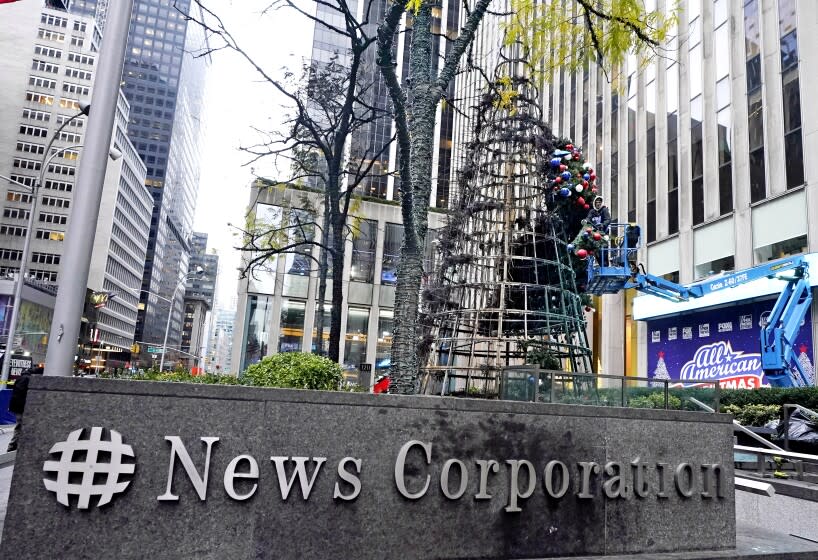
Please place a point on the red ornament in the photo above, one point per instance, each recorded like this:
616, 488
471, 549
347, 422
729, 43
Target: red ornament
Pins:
593, 176
587, 207
597, 236
558, 180
563, 167
585, 183
588, 308
581, 201
582, 253
569, 147
589, 229
594, 190
802, 348
556, 189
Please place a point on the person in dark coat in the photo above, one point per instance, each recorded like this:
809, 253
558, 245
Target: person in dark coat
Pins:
17, 403
599, 216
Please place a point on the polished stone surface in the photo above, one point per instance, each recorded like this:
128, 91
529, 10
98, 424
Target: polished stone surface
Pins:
380, 523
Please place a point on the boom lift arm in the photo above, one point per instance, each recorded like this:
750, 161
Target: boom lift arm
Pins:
617, 270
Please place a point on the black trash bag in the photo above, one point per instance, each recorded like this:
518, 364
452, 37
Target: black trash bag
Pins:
803, 427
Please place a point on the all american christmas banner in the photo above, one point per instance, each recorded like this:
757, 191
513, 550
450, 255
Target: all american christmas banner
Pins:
719, 345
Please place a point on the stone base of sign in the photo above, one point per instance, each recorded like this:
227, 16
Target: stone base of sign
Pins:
303, 474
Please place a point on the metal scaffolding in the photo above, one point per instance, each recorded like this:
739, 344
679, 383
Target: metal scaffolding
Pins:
503, 296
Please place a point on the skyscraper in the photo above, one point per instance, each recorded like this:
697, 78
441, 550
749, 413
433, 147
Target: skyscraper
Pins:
48, 71
199, 292
164, 83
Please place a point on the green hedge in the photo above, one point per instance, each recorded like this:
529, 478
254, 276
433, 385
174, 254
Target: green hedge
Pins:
805, 396
293, 370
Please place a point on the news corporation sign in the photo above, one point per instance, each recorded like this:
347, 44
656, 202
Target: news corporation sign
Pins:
123, 469
78, 476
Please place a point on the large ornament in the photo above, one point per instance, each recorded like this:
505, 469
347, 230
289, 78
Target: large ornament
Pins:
565, 192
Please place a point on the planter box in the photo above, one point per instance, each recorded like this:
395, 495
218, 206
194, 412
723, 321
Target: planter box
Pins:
238, 472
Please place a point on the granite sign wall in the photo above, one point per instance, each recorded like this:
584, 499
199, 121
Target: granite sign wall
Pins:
136, 469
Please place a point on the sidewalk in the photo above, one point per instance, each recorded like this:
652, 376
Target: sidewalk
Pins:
5, 475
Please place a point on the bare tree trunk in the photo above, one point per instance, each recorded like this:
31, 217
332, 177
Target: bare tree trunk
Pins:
415, 125
322, 278
337, 240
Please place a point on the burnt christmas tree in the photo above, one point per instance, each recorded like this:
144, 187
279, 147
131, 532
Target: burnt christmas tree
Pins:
504, 293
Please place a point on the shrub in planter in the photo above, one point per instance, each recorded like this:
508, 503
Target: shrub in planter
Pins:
655, 400
753, 414
294, 370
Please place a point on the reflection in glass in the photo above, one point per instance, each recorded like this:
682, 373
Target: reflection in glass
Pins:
386, 325
256, 341
363, 251
292, 326
781, 249
393, 237
321, 317
355, 345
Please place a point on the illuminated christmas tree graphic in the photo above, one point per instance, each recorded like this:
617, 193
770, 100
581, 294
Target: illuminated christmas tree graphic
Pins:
660, 373
806, 365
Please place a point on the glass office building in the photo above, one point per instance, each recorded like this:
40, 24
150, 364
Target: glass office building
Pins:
164, 85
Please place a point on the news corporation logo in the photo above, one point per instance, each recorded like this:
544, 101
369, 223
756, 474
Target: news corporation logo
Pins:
89, 464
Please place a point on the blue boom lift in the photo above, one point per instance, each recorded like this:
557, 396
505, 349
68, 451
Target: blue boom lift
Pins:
617, 270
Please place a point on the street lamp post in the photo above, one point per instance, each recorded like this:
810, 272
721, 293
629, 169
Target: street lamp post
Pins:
35, 190
199, 270
62, 342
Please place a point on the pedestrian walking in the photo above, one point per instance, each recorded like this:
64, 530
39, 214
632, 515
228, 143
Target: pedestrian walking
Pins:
17, 404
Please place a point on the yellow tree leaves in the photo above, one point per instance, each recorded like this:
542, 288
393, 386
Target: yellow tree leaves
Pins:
567, 34
506, 95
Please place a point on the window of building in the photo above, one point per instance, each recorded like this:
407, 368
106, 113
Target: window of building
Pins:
793, 143
393, 237
323, 317
50, 52
50, 35
15, 213
386, 325
40, 98
292, 326
43, 66
300, 232
35, 115
51, 19
697, 160
755, 111
781, 249
29, 148
364, 239
256, 333
10, 254
12, 196
14, 231
355, 342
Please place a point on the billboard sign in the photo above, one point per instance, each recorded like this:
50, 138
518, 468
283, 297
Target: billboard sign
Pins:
719, 345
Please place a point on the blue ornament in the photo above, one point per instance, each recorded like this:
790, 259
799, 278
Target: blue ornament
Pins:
566, 175
586, 177
585, 234
570, 247
565, 192
555, 162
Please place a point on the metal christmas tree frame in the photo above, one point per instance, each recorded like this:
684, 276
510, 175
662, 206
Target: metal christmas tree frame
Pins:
503, 296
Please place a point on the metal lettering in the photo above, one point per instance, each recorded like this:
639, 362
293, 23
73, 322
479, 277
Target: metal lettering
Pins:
485, 466
177, 448
712, 475
548, 475
444, 479
640, 482
685, 490
587, 468
661, 469
514, 489
400, 464
299, 472
615, 487
230, 476
347, 476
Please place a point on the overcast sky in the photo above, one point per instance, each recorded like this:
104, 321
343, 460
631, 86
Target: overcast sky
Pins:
236, 101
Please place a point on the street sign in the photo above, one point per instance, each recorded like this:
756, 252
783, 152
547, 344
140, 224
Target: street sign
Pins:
156, 350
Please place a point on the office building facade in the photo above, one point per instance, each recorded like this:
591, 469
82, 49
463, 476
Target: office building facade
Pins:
277, 307
48, 71
199, 290
704, 147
